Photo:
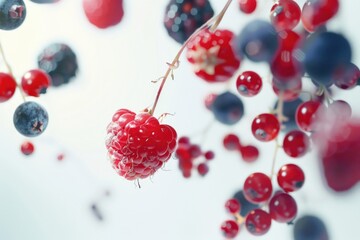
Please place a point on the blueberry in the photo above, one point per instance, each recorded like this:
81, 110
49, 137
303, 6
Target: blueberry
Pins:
246, 206
30, 119
310, 227
289, 110
227, 108
258, 41
12, 14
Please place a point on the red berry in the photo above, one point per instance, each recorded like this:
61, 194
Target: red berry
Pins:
282, 208
265, 127
203, 169
248, 84
60, 157
230, 229
249, 153
290, 177
35, 82
306, 116
247, 6
209, 100
257, 188
232, 206
209, 155
184, 140
138, 144
296, 143
7, 86
195, 151
258, 222
347, 77
231, 142
212, 56
285, 14
288, 93
103, 13
27, 148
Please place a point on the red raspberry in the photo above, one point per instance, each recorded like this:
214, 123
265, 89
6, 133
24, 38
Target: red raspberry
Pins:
138, 144
212, 55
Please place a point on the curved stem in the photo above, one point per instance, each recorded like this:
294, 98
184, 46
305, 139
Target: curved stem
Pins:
174, 64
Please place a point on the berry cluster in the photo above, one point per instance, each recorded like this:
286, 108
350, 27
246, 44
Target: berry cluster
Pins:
249, 153
190, 156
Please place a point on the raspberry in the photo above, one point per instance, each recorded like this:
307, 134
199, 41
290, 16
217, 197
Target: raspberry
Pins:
138, 144
60, 62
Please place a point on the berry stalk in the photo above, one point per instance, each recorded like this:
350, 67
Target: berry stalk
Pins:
212, 24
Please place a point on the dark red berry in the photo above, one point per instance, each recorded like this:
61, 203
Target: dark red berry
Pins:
231, 142
249, 153
282, 208
247, 6
285, 14
248, 84
27, 148
209, 155
347, 77
290, 177
230, 229
232, 206
257, 188
203, 169
296, 143
258, 222
7, 86
265, 127
306, 115
35, 82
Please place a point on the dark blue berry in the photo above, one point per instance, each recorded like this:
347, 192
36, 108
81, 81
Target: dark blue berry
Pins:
183, 17
227, 108
289, 110
258, 41
60, 62
30, 119
324, 54
310, 228
246, 206
12, 14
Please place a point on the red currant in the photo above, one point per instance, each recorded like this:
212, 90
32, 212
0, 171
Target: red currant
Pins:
231, 142
290, 177
209, 155
7, 86
35, 82
248, 84
257, 188
285, 14
265, 127
27, 148
282, 208
232, 206
249, 153
203, 169
258, 222
230, 228
306, 116
347, 77
103, 13
247, 6
296, 143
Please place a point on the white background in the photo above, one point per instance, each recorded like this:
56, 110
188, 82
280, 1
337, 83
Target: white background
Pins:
42, 198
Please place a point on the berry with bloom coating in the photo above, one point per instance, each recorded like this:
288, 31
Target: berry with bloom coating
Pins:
138, 145
12, 14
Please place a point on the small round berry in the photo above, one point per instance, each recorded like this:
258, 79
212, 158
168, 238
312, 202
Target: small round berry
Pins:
7, 86
282, 208
35, 82
288, 92
203, 169
296, 143
265, 127
230, 229
231, 142
285, 14
195, 151
184, 140
27, 148
258, 222
347, 77
248, 84
310, 227
290, 177
60, 157
232, 206
306, 115
257, 188
209, 155
249, 153
246, 206
228, 108
209, 100
12, 14
247, 6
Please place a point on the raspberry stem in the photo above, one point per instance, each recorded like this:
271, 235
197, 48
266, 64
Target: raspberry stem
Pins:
212, 24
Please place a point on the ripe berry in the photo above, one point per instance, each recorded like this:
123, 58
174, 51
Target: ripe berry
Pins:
296, 143
209, 155
138, 145
12, 14
183, 17
285, 14
248, 84
257, 188
282, 208
60, 62
30, 119
347, 77
290, 178
230, 229
310, 227
228, 108
35, 82
27, 148
209, 100
212, 56
258, 222
231, 142
306, 115
232, 206
249, 153
288, 93
247, 6
7, 87
265, 127
103, 13
203, 169
246, 206
258, 41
